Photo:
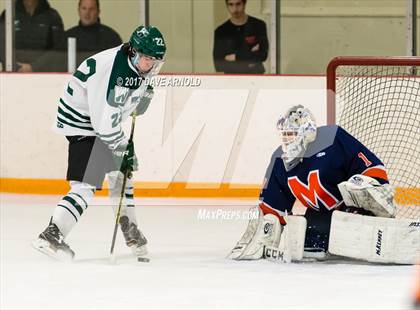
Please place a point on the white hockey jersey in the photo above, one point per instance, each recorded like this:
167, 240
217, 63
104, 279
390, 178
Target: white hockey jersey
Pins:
101, 94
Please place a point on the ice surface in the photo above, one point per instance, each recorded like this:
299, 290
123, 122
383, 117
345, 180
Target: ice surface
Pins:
188, 269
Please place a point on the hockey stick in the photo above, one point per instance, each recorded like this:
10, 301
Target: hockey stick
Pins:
127, 174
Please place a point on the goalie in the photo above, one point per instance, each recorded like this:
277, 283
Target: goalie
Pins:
325, 169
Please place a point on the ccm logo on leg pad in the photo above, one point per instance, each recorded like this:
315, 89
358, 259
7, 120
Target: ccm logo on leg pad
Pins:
275, 254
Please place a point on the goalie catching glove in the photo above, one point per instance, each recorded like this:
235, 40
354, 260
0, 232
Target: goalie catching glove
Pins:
125, 158
367, 193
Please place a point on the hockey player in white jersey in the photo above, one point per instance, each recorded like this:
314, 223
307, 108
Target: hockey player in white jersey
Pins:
104, 91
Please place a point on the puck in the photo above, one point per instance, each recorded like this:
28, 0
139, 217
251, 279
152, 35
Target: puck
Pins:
143, 259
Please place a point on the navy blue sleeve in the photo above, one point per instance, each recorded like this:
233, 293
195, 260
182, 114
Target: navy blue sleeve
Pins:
359, 159
274, 194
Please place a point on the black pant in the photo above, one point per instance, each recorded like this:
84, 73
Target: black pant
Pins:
89, 160
318, 224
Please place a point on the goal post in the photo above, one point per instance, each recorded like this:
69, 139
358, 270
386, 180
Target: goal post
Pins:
377, 100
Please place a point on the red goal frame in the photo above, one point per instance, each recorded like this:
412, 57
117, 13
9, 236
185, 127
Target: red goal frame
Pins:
363, 61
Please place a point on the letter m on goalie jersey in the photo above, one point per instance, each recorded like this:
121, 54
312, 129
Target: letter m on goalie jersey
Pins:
312, 193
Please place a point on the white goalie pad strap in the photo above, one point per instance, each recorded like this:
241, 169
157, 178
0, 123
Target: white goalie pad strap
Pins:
365, 192
292, 241
265, 230
375, 239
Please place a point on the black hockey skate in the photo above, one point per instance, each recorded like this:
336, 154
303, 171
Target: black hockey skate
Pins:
51, 242
134, 238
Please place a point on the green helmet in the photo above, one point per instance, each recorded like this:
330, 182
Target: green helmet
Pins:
148, 41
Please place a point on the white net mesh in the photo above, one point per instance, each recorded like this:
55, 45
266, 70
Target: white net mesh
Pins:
380, 106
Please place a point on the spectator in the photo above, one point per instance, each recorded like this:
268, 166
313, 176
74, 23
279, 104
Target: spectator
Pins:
240, 44
38, 28
92, 36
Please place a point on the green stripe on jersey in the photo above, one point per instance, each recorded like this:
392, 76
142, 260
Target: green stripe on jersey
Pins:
112, 141
110, 135
70, 117
74, 111
69, 90
73, 125
120, 138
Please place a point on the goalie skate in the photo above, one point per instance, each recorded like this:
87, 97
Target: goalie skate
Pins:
134, 238
51, 242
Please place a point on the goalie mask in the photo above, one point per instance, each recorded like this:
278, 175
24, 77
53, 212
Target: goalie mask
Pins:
297, 129
148, 50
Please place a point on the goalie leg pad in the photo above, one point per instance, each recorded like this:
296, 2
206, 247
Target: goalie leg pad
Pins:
291, 242
375, 239
262, 231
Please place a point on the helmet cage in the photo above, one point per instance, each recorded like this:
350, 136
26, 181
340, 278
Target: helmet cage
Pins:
157, 63
297, 129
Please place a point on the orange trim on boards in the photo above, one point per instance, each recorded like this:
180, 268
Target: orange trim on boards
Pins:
141, 189
403, 196
34, 186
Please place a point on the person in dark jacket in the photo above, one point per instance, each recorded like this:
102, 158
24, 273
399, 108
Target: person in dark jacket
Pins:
241, 43
38, 28
91, 36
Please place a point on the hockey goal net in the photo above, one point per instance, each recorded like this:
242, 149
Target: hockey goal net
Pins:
377, 100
